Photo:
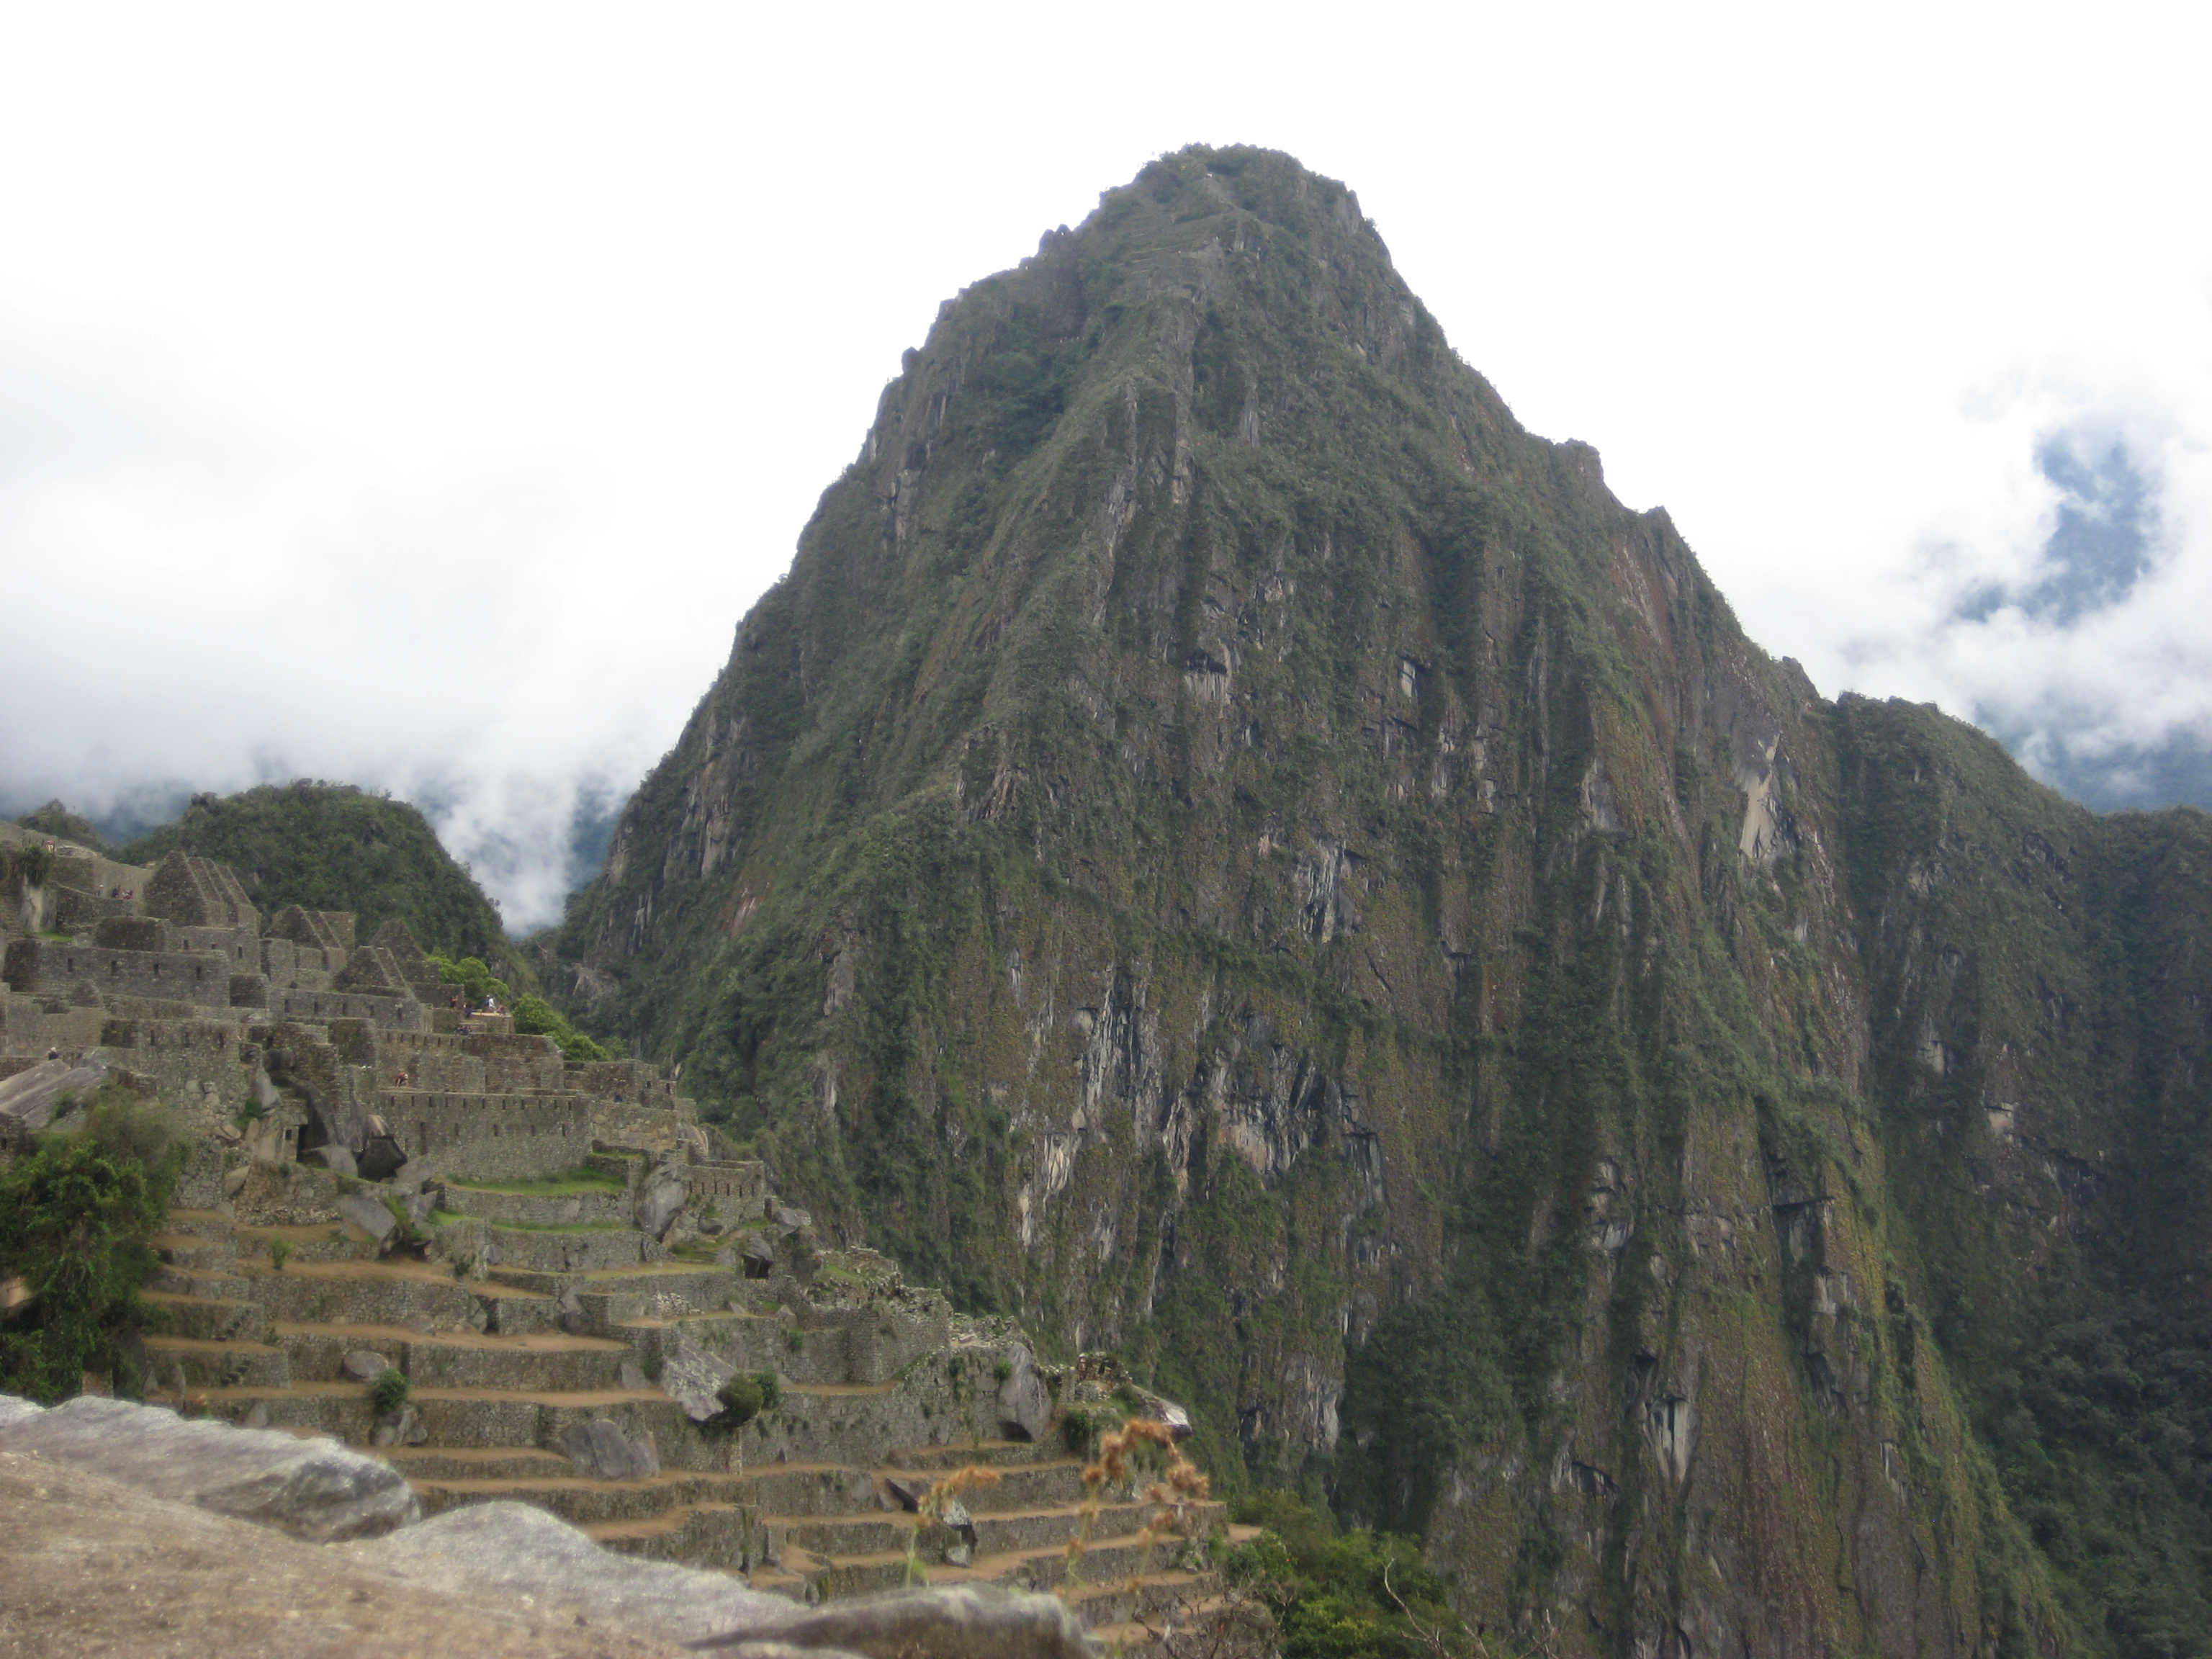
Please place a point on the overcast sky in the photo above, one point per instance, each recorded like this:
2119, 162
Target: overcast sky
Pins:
418, 396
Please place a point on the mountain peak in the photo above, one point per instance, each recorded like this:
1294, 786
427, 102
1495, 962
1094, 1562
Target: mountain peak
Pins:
1226, 847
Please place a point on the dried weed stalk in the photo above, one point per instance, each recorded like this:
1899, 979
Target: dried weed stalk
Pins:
1180, 1485
933, 1507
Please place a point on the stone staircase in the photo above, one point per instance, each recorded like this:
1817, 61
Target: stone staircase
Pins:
525, 1317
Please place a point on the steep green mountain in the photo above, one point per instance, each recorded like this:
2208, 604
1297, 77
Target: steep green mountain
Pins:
334, 847
1226, 847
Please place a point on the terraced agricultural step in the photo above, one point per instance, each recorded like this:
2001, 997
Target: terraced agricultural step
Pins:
340, 1409
852, 1534
584, 1249
539, 1209
519, 1417
200, 1224
611, 1297
420, 1463
580, 1499
698, 1535
1019, 1486
1104, 1562
997, 1454
457, 1359
400, 1292
329, 1242
1015, 1532
207, 1252
511, 1312
748, 1341
216, 1364
223, 1284
211, 1319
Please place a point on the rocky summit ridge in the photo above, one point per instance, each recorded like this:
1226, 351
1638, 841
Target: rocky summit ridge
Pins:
1225, 846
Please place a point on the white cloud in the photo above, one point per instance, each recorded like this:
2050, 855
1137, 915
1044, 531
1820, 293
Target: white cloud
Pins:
420, 396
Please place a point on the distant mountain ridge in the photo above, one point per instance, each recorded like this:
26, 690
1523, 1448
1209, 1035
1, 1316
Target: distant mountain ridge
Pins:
1225, 846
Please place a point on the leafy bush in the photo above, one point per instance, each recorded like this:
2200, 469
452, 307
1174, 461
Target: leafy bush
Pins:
76, 1215
1350, 1594
390, 1391
534, 1017
29, 866
476, 982
280, 1252
744, 1397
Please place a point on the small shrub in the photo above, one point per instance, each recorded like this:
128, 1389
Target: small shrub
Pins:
389, 1392
280, 1252
1076, 1430
745, 1396
741, 1399
1003, 1370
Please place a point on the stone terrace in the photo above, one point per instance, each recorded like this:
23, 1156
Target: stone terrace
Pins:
552, 1258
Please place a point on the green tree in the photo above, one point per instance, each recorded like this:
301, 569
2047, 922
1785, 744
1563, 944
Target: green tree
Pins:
76, 1217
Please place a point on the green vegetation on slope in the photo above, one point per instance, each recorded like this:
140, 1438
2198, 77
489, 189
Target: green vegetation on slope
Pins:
1227, 848
57, 820
332, 846
77, 1214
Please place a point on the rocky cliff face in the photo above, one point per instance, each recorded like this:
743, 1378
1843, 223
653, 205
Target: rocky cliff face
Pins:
1228, 847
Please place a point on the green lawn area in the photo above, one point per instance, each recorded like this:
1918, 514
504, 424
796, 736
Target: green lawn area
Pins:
569, 1183
560, 1226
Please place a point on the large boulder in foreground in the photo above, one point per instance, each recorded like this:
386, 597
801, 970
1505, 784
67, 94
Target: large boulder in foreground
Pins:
519, 1551
89, 1566
102, 1481
313, 1489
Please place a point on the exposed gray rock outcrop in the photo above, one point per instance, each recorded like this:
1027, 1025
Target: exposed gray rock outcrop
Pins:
600, 1449
31, 1095
520, 1550
370, 1214
313, 1489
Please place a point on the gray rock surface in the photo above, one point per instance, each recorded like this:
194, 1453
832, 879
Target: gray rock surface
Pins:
600, 1449
368, 1212
313, 1489
660, 1200
1025, 1402
569, 1311
689, 1374
366, 1365
31, 1095
521, 1551
967, 1621
404, 1427
332, 1157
